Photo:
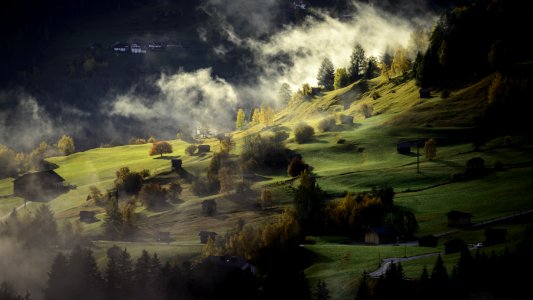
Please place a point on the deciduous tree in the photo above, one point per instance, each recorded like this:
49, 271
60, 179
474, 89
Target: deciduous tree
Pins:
160, 148
66, 145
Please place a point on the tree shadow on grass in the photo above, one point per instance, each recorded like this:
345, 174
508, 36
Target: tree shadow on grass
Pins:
168, 157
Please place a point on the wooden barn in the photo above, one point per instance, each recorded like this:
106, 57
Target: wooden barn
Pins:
203, 148
403, 147
380, 235
459, 219
33, 186
87, 216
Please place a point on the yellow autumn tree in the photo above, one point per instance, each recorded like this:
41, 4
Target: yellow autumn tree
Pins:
240, 124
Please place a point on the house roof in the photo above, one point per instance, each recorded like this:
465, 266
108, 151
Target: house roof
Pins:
48, 175
455, 214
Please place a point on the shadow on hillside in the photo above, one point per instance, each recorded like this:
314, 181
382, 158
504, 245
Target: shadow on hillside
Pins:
170, 157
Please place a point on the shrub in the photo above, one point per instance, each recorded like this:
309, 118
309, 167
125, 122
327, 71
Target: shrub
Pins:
262, 152
445, 94
475, 167
366, 110
327, 124
507, 141
303, 133
375, 95
191, 149
457, 177
152, 195
174, 192
145, 173
127, 181
280, 136
66, 145
297, 166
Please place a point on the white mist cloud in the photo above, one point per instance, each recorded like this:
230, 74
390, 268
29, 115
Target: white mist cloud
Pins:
193, 99
308, 44
25, 124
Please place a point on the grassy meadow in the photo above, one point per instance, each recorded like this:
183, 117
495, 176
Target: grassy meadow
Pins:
367, 158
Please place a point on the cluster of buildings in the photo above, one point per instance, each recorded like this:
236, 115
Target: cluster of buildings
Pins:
139, 47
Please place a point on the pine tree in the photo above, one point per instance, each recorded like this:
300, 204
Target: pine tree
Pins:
240, 124
326, 74
322, 292
284, 94
439, 275
43, 228
357, 63
57, 279
255, 117
363, 292
141, 273
309, 204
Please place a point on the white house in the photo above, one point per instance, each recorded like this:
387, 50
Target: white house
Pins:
121, 47
137, 49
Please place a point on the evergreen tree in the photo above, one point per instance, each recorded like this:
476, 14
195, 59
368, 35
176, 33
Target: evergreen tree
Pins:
43, 228
284, 94
357, 63
326, 74
113, 222
439, 275
255, 117
57, 279
309, 204
141, 274
322, 292
372, 68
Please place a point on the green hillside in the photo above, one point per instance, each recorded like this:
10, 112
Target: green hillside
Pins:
367, 158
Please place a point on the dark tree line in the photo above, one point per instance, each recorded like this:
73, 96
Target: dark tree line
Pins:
495, 275
469, 42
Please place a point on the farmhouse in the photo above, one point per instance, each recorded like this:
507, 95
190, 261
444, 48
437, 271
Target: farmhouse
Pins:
203, 148
155, 46
403, 147
459, 219
87, 216
137, 49
39, 184
380, 235
205, 235
121, 47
